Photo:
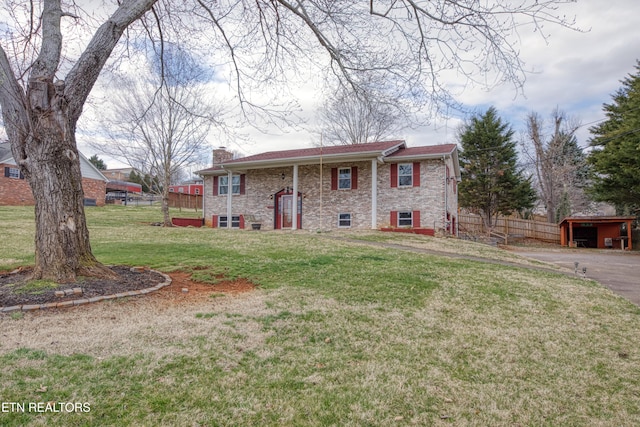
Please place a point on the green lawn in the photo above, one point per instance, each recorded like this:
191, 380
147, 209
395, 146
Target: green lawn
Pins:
337, 334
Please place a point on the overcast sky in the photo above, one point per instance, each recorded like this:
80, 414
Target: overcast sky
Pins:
574, 71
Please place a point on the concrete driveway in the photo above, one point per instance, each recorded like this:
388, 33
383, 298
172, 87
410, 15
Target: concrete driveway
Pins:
617, 270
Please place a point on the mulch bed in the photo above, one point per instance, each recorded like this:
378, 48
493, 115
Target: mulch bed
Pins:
12, 294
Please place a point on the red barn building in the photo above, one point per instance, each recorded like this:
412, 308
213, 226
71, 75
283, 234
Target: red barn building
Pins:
193, 189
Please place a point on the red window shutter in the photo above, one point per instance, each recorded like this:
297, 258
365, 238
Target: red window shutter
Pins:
334, 178
416, 174
394, 175
242, 220
416, 219
394, 218
215, 185
354, 178
243, 183
214, 223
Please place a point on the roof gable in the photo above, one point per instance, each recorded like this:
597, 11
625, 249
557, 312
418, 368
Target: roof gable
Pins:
5, 153
87, 169
424, 151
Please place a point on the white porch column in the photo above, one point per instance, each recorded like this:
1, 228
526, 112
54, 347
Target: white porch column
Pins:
294, 211
229, 195
374, 194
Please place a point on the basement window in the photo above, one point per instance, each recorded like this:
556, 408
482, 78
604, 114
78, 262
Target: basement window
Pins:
405, 219
344, 220
235, 221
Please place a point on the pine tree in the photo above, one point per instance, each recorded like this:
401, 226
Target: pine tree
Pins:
98, 162
616, 149
491, 183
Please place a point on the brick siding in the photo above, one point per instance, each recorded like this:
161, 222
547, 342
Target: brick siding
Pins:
16, 192
322, 213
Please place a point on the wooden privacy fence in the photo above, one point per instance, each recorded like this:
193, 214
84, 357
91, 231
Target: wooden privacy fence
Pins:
544, 231
187, 201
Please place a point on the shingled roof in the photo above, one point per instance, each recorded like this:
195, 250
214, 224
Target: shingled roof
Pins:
332, 154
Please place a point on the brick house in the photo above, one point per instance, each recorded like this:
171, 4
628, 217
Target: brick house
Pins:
367, 186
15, 191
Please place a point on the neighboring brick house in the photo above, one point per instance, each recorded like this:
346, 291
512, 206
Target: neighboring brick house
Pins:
365, 186
120, 174
15, 191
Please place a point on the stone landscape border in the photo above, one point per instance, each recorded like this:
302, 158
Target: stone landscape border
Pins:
82, 301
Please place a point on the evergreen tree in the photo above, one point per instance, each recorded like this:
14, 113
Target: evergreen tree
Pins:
98, 162
491, 183
616, 149
139, 179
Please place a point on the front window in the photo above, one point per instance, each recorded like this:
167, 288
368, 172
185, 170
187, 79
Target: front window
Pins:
197, 191
235, 221
344, 220
180, 190
223, 184
405, 219
344, 179
13, 173
405, 175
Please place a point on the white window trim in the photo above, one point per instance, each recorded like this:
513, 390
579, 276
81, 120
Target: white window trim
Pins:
410, 215
235, 187
340, 179
235, 221
14, 173
350, 219
404, 175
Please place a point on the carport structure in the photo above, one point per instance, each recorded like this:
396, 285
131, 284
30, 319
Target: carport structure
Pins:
596, 232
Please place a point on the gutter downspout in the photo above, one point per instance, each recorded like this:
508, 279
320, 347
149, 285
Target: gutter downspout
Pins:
446, 191
374, 194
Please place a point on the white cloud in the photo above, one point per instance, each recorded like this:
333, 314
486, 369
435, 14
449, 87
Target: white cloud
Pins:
574, 71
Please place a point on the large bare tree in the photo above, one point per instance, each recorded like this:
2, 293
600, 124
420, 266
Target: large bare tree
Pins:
559, 163
47, 71
354, 117
160, 123
40, 111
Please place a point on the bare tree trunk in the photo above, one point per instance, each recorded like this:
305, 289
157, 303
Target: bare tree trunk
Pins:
166, 217
40, 121
62, 238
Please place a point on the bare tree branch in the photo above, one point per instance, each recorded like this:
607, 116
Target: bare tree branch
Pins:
86, 70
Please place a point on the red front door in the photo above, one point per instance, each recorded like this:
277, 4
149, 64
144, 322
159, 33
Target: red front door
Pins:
284, 210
